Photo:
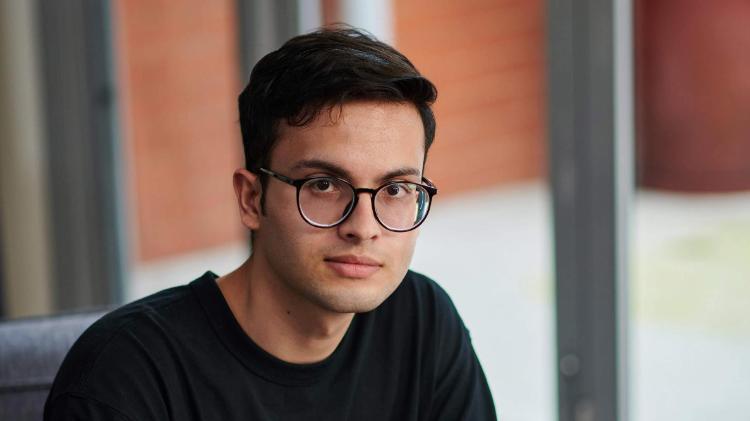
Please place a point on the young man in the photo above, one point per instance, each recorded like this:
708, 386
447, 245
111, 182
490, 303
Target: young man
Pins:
323, 321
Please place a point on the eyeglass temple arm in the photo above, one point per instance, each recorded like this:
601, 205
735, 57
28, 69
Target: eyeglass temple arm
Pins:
277, 176
431, 185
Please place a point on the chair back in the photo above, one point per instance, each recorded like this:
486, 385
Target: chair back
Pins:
31, 351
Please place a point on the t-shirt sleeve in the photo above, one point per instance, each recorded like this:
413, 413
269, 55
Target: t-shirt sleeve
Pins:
460, 389
69, 407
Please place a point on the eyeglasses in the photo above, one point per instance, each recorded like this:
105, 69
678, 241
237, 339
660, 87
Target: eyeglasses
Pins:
327, 201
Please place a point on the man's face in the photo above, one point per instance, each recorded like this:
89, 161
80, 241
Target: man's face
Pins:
366, 143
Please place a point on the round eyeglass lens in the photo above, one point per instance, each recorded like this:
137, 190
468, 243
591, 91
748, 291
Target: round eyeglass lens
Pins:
401, 206
325, 201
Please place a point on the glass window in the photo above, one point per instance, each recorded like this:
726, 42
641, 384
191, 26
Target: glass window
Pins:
690, 318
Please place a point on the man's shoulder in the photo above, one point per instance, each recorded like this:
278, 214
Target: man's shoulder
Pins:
456, 382
126, 340
129, 317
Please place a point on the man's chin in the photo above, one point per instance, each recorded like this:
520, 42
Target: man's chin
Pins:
354, 298
351, 304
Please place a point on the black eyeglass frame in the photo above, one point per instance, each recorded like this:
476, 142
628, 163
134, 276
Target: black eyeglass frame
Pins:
299, 182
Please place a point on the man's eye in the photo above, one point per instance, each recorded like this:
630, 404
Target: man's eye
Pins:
394, 189
322, 185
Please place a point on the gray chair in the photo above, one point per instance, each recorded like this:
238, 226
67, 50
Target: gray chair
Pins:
31, 351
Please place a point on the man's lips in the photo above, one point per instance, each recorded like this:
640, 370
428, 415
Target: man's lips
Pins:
351, 266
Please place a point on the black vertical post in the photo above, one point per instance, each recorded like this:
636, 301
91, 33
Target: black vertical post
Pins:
82, 148
263, 26
588, 196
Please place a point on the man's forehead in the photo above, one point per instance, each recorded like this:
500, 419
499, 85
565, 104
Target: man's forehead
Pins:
368, 139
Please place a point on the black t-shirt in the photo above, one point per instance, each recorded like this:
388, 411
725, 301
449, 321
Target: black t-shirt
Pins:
181, 355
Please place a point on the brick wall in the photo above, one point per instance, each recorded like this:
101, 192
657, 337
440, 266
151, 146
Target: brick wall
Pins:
693, 94
178, 73
487, 59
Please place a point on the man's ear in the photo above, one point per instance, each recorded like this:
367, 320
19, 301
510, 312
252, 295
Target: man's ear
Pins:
248, 189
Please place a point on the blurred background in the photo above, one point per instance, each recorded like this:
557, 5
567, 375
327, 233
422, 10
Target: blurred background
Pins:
119, 135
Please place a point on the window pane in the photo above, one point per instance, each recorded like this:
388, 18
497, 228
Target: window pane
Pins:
690, 320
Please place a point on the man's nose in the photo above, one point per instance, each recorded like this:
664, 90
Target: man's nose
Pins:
361, 223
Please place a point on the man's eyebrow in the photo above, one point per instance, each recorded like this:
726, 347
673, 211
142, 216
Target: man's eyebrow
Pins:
341, 172
322, 165
400, 172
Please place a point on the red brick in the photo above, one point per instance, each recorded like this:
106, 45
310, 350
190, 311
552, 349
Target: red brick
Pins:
178, 68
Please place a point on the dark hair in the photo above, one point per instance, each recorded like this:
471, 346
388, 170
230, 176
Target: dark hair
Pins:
324, 69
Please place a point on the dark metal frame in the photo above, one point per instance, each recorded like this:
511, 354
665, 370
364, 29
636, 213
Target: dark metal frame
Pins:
263, 25
299, 182
590, 191
86, 199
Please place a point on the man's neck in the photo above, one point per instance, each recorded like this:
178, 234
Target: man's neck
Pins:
279, 321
